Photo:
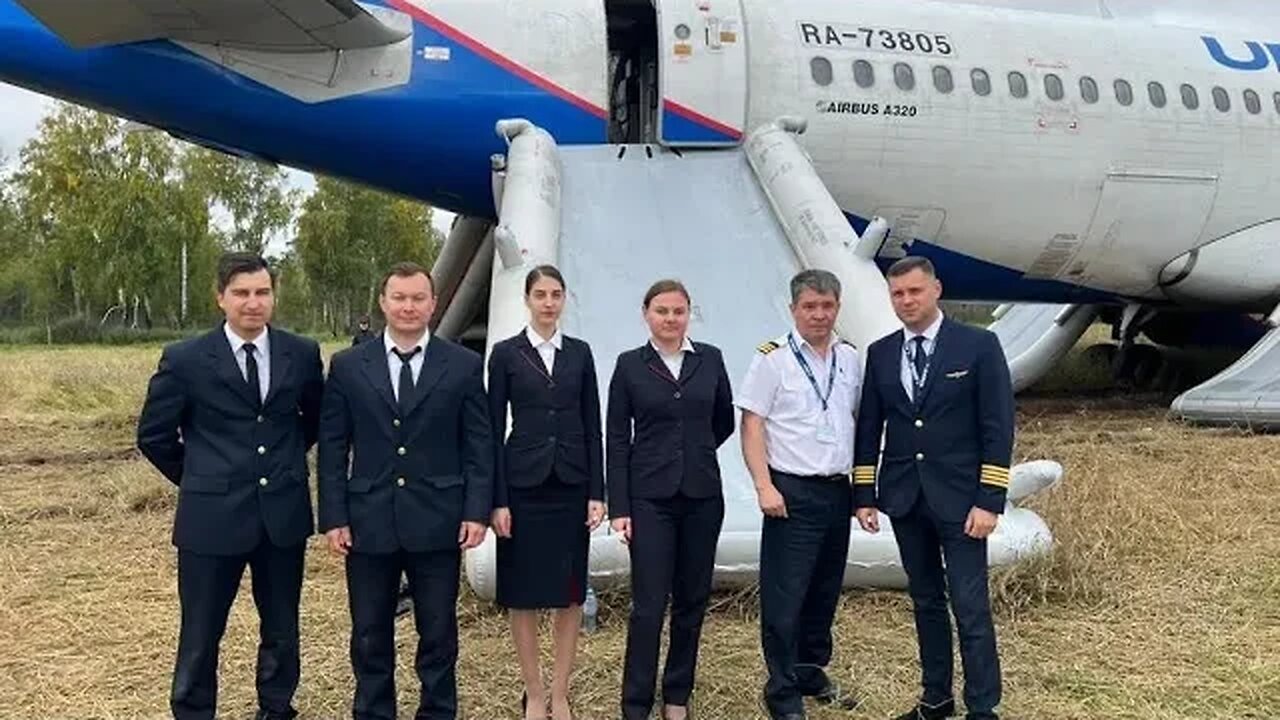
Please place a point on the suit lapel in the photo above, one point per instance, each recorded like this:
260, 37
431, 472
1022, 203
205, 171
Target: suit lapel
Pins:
281, 363
529, 355
692, 361
377, 372
219, 353
935, 362
434, 367
655, 364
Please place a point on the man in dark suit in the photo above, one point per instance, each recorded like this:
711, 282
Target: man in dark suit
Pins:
363, 333
228, 418
940, 395
406, 483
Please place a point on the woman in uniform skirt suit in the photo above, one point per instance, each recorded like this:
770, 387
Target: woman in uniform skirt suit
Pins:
670, 408
549, 483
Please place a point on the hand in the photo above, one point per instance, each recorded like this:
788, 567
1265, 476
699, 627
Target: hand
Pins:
772, 504
339, 541
470, 535
980, 523
622, 526
501, 522
595, 514
869, 519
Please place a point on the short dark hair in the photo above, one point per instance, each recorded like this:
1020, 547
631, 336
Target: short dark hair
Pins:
406, 270
665, 286
912, 262
241, 263
542, 271
823, 282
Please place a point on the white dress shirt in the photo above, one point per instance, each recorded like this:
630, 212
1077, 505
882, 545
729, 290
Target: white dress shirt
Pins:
262, 354
394, 363
930, 335
546, 348
777, 389
674, 362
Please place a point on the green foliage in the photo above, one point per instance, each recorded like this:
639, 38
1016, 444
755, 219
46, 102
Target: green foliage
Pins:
348, 236
95, 220
253, 194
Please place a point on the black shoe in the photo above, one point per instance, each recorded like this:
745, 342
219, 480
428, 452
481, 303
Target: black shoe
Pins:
268, 715
832, 694
982, 716
930, 712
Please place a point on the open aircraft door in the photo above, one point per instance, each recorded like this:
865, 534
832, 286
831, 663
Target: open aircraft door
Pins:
702, 76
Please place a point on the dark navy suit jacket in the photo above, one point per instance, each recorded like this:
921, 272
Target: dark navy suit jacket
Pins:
239, 469
954, 446
405, 481
555, 419
662, 432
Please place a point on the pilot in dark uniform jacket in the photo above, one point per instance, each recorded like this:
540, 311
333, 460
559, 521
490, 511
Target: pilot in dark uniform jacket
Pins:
943, 402
238, 456
667, 415
402, 467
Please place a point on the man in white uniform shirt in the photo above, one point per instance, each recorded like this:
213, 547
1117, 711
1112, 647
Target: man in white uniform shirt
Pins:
798, 402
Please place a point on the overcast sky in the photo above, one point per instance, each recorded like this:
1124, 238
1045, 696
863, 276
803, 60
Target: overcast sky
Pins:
21, 112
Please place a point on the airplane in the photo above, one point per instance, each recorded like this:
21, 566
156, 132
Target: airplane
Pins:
1111, 160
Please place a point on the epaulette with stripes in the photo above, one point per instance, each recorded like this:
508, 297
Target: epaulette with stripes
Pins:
768, 347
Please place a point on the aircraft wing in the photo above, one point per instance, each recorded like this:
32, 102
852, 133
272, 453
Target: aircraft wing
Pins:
303, 26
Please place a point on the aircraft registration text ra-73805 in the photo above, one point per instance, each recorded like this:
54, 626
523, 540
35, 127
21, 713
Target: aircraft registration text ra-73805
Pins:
840, 36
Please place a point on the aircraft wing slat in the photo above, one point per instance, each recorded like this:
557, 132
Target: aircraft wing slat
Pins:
264, 25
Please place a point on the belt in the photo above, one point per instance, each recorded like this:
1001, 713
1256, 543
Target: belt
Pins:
843, 477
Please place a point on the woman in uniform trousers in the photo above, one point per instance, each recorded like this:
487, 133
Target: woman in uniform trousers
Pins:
670, 408
549, 484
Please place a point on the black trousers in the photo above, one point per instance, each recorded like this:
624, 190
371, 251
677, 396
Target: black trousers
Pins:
373, 588
802, 562
923, 541
673, 552
207, 585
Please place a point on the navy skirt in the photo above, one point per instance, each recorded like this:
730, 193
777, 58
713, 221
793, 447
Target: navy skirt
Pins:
544, 562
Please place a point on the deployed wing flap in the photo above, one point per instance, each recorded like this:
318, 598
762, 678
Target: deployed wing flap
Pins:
260, 25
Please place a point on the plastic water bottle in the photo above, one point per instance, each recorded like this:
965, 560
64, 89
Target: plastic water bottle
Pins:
590, 608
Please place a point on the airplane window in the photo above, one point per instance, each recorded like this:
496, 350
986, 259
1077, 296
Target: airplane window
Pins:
1088, 89
1221, 99
1252, 103
1190, 98
1053, 87
864, 74
1017, 84
1124, 92
904, 77
820, 69
942, 80
1155, 91
982, 83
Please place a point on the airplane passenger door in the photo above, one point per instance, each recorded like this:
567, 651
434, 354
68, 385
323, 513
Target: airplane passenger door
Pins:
1143, 220
702, 78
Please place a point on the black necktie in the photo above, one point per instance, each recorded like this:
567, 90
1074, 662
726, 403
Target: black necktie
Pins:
920, 361
405, 388
251, 372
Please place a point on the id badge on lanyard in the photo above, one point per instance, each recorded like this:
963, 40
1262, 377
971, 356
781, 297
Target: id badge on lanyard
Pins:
825, 432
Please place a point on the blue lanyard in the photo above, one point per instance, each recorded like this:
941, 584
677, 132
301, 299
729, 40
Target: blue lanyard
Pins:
813, 381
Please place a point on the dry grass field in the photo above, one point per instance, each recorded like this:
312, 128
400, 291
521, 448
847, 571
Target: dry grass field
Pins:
1161, 602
